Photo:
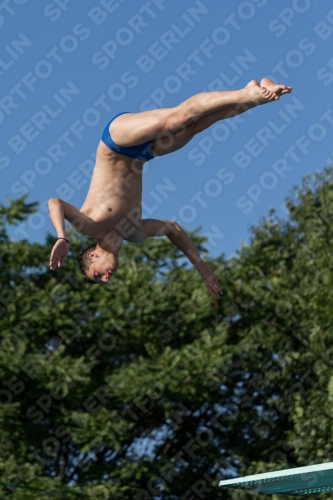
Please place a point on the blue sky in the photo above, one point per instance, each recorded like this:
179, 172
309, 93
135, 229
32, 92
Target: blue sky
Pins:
69, 69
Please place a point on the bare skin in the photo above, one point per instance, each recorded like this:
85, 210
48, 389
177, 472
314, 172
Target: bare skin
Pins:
273, 87
111, 212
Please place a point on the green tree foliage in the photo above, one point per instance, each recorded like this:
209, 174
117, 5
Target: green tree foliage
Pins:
147, 388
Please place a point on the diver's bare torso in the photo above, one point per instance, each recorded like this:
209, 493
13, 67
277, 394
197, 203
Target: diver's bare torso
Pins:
113, 201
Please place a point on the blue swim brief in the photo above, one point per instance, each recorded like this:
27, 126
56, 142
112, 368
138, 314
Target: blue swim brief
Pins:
142, 152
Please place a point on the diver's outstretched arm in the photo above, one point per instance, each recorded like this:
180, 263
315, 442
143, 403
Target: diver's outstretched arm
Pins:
181, 240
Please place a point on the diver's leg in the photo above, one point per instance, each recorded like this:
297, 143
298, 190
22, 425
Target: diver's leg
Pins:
174, 141
131, 129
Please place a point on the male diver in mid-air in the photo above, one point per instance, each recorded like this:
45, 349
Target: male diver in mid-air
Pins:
111, 212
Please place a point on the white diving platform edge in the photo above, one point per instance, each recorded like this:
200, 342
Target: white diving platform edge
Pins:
290, 482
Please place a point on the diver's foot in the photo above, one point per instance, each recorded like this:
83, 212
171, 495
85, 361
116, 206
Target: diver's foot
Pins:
253, 83
255, 95
278, 88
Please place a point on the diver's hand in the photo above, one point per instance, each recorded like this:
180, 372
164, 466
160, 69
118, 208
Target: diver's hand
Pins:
58, 254
210, 281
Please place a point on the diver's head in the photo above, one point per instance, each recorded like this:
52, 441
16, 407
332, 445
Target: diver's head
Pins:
97, 265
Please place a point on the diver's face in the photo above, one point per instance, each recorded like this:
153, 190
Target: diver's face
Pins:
103, 266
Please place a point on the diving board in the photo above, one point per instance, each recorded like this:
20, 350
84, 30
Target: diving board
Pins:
289, 482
